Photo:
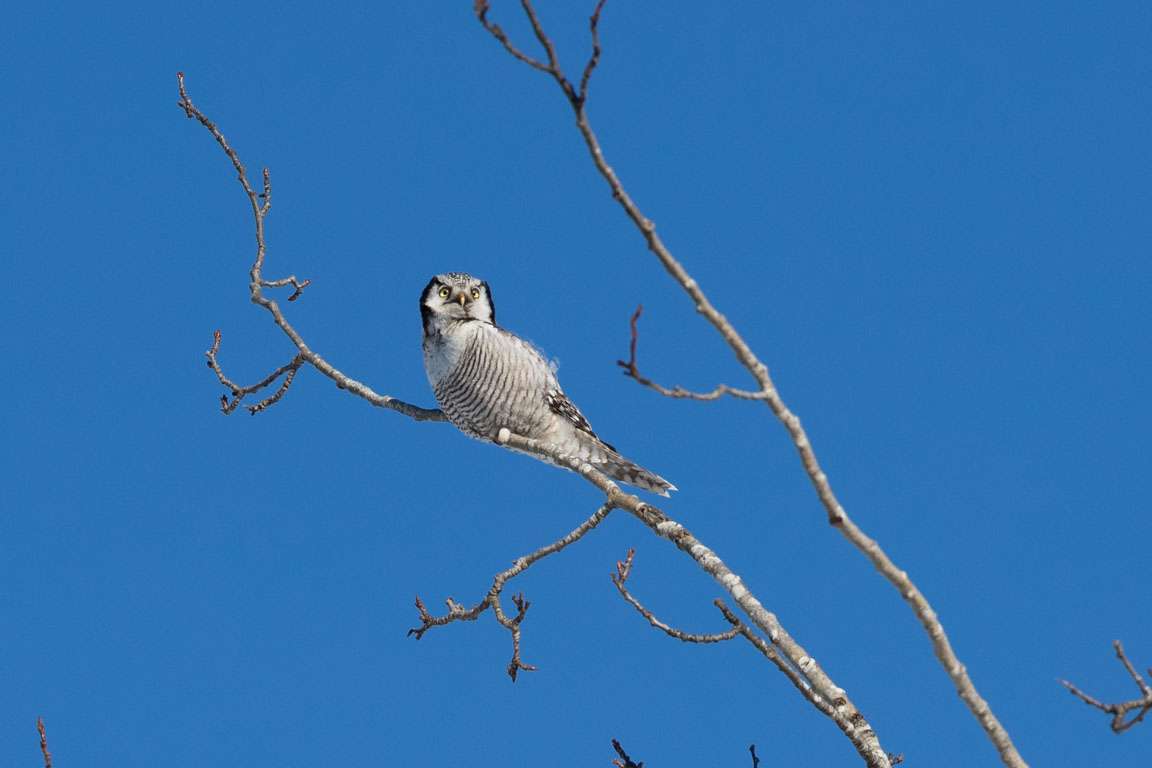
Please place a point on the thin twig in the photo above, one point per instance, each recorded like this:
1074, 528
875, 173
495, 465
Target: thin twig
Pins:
632, 371
513, 626
275, 397
952, 665
457, 612
623, 761
288, 370
623, 571
261, 203
44, 743
1120, 710
755, 760
290, 280
594, 59
481, 8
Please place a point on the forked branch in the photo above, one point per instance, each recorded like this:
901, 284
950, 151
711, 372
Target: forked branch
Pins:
1120, 710
766, 390
261, 203
288, 371
810, 678
457, 612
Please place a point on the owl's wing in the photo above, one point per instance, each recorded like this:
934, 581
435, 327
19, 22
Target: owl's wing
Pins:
559, 403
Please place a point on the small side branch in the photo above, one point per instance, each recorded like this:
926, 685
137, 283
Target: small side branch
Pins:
633, 372
1120, 710
288, 371
623, 761
594, 59
457, 612
623, 571
576, 97
44, 743
481, 8
261, 203
290, 280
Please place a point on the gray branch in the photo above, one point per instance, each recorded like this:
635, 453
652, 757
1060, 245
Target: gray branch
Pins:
1119, 710
828, 697
952, 665
261, 203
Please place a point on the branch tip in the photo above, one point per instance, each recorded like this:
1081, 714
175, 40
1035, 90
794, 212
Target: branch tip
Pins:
1120, 710
44, 743
261, 202
623, 761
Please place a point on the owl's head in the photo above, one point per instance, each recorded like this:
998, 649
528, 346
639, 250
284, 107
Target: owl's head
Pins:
456, 296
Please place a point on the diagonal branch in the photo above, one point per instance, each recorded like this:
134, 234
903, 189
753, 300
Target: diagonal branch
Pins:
481, 8
44, 743
594, 59
261, 203
843, 712
624, 570
623, 761
952, 665
769, 652
1121, 709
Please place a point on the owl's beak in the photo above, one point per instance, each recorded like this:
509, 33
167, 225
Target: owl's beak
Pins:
463, 297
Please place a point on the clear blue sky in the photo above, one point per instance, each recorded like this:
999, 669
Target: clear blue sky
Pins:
932, 223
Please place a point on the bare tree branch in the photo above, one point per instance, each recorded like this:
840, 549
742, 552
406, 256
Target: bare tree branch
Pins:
841, 710
623, 571
261, 203
1121, 709
624, 761
44, 743
288, 370
594, 59
632, 371
481, 8
457, 612
807, 673
766, 648
965, 688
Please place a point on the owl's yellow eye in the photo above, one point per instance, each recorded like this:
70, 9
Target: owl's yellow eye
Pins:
445, 293
475, 293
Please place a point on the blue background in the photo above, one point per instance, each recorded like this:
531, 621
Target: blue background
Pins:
932, 223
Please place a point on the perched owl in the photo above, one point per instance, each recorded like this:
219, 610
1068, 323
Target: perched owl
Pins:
486, 378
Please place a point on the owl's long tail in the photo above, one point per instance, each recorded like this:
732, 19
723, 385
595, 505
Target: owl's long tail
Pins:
619, 468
